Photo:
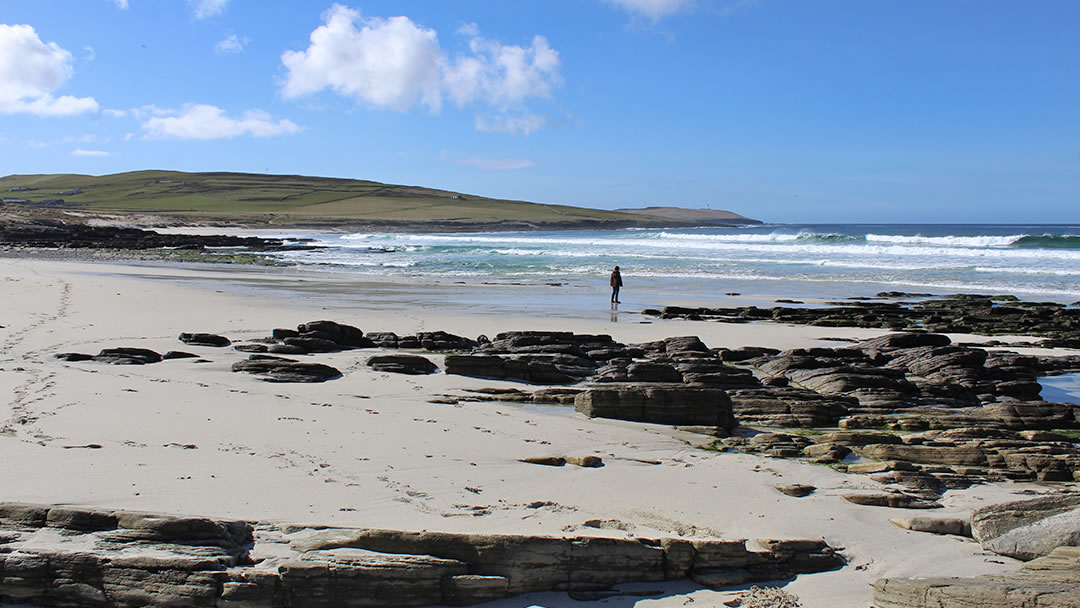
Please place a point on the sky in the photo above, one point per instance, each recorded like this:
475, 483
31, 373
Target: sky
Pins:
787, 111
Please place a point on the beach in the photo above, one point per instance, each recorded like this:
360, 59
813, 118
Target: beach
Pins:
370, 449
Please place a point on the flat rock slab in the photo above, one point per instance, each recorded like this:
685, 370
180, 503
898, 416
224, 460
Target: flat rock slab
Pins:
402, 364
1047, 582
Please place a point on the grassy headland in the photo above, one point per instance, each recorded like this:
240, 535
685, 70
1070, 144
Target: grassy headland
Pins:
255, 200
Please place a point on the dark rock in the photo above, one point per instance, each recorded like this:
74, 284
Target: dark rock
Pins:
202, 339
309, 344
384, 339
284, 370
252, 348
797, 490
127, 356
402, 364
176, 354
787, 407
676, 405
281, 334
74, 357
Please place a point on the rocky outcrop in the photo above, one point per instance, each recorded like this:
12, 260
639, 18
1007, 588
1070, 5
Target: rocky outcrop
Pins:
204, 339
1048, 582
676, 405
59, 234
963, 313
279, 369
402, 364
1028, 529
788, 407
72, 557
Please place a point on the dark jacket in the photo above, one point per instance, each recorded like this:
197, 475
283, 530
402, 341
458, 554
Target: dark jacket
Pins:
616, 279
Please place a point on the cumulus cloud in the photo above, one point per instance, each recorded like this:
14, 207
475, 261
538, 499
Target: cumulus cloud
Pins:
653, 9
390, 63
88, 153
30, 70
498, 164
397, 64
231, 45
200, 121
121, 4
202, 9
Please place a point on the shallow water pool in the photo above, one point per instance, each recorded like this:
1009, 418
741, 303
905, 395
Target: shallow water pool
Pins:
1061, 389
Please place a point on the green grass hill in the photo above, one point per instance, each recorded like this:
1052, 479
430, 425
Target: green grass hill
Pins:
293, 200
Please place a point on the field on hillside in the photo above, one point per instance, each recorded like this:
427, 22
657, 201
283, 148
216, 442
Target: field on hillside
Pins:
290, 199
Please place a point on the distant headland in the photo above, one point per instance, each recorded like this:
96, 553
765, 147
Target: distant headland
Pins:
256, 200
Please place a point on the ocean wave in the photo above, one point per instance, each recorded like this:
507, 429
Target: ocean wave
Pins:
978, 242
1049, 241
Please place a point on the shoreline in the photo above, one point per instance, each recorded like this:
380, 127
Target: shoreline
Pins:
392, 458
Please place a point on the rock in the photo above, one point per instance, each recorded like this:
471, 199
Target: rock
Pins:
551, 461
967, 455
935, 525
442, 341
1028, 529
311, 344
652, 372
74, 357
1047, 582
332, 331
276, 369
402, 364
252, 348
797, 490
585, 461
467, 589
128, 356
787, 407
476, 366
880, 467
202, 339
384, 339
675, 405
894, 500
119, 558
176, 354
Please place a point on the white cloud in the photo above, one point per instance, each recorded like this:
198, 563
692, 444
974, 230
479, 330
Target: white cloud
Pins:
388, 63
653, 9
231, 45
121, 4
30, 70
524, 124
88, 153
397, 64
503, 75
202, 9
200, 121
90, 54
497, 164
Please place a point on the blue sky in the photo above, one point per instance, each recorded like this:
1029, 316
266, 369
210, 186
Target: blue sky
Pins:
785, 111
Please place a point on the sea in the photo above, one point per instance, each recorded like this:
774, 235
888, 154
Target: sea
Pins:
703, 265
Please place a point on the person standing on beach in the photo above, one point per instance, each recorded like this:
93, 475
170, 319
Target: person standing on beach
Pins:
616, 284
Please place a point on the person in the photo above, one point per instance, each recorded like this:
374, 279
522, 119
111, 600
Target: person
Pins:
616, 284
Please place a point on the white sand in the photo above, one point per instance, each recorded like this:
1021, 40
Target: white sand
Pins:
369, 450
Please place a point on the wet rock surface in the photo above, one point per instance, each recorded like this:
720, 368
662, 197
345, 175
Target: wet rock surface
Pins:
59, 234
70, 556
961, 313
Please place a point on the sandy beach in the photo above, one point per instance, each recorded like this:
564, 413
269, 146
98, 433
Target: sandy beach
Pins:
370, 449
